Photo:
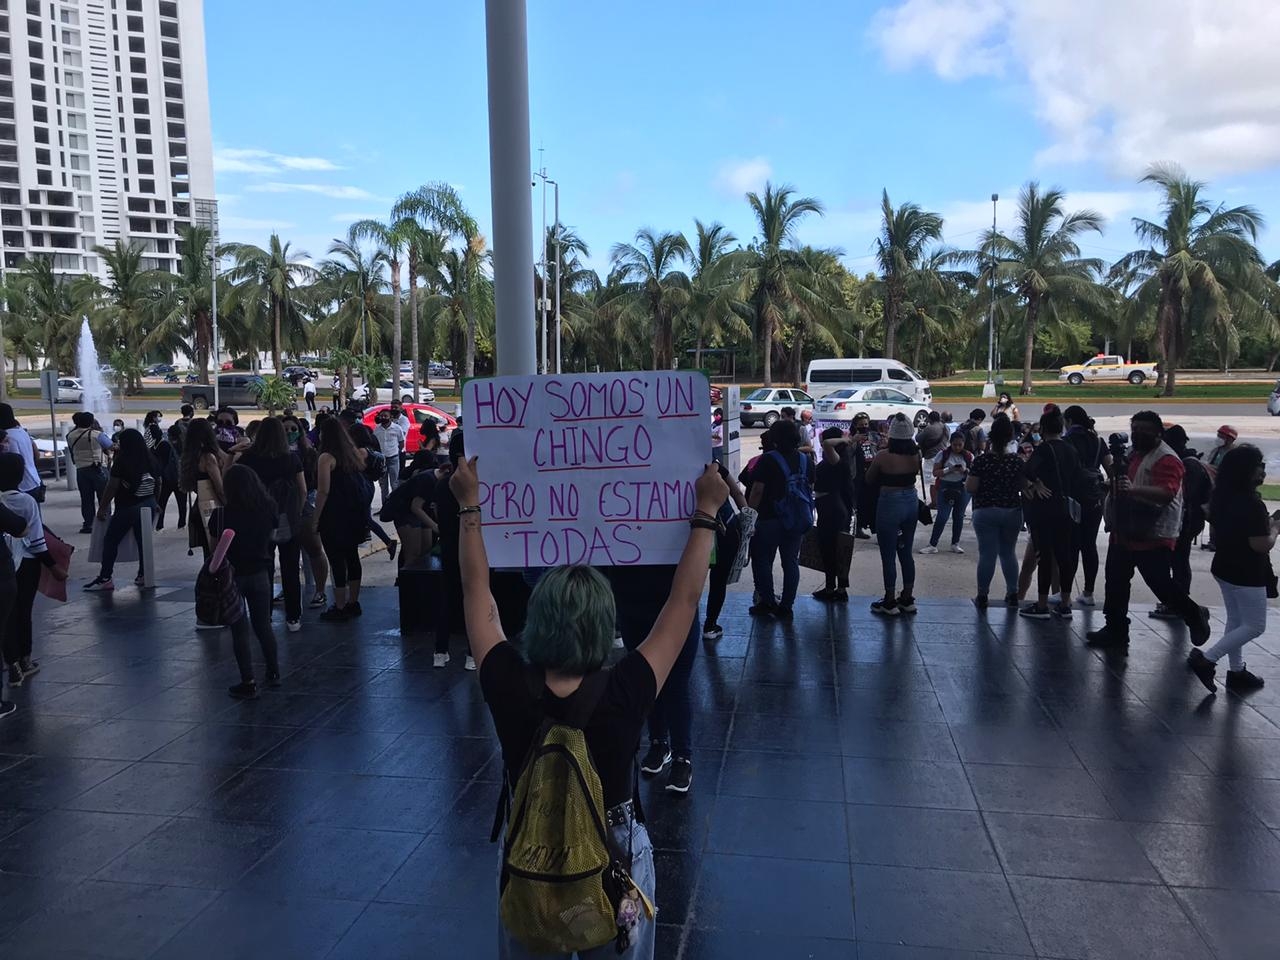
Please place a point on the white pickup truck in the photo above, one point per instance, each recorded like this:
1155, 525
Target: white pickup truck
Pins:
1107, 367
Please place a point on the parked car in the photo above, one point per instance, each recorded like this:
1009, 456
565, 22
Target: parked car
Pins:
234, 390
1273, 401
437, 369
418, 413
71, 390
425, 394
764, 405
827, 376
296, 374
1107, 367
879, 403
159, 370
45, 457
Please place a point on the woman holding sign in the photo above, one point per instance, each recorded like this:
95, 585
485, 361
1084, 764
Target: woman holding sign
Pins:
558, 674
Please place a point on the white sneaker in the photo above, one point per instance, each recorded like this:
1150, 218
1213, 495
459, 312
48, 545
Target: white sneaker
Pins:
930, 550
440, 660
470, 664
201, 625
956, 548
293, 626
617, 643
1085, 599
1055, 599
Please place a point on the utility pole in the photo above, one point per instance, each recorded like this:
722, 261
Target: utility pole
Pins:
989, 390
559, 329
507, 58
542, 260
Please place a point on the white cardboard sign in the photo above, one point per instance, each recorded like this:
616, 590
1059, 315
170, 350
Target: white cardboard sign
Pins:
594, 468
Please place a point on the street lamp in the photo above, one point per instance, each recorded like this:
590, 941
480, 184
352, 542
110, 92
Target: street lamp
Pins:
989, 390
544, 302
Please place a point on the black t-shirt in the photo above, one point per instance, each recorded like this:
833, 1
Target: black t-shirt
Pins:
250, 551
137, 481
769, 473
833, 490
273, 470
1055, 464
613, 733
446, 513
1235, 520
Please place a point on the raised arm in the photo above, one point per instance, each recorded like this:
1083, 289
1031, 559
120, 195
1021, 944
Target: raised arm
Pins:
484, 627
666, 640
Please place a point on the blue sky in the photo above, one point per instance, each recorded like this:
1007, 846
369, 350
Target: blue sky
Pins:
653, 114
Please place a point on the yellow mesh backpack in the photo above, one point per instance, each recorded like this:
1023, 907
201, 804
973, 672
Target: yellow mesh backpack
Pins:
562, 879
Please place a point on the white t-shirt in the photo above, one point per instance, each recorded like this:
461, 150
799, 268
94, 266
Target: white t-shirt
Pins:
31, 543
390, 439
18, 441
948, 459
309, 389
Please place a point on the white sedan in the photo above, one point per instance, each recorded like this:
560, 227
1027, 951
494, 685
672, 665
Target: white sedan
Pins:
878, 403
425, 394
71, 390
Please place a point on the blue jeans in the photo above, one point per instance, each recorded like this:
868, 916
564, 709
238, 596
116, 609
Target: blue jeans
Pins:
769, 540
897, 513
997, 529
122, 521
947, 493
90, 481
642, 937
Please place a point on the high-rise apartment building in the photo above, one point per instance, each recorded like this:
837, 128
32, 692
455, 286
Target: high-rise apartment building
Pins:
104, 128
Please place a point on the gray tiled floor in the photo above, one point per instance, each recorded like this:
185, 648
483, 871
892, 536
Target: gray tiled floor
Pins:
955, 786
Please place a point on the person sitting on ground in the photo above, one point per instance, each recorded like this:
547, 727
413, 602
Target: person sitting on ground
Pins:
31, 553
558, 673
1241, 565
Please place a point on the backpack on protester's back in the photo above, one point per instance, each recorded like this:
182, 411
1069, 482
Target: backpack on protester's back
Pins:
794, 509
564, 887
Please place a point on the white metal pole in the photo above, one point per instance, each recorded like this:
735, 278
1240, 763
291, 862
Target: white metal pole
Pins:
990, 390
542, 257
507, 49
213, 302
559, 326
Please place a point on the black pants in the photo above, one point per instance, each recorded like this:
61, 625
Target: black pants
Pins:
90, 481
8, 594
835, 566
1156, 569
726, 551
344, 559
671, 719
17, 630
311, 401
1090, 523
1054, 535
169, 488
449, 600
256, 590
865, 495
1181, 566
291, 577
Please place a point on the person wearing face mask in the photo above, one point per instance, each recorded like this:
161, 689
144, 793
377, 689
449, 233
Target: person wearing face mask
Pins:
226, 427
390, 437
1005, 405
1145, 510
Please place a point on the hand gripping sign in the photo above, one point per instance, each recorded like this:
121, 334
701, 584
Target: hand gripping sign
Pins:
594, 468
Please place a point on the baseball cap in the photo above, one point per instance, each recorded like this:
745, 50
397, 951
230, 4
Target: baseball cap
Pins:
1226, 430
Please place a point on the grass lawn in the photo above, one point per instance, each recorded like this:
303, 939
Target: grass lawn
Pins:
1270, 491
1059, 392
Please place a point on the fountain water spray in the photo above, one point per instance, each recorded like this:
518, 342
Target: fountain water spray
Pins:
90, 372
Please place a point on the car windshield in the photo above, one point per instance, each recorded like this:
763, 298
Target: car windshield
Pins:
760, 394
845, 394
915, 374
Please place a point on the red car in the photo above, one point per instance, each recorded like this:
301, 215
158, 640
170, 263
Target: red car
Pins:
417, 413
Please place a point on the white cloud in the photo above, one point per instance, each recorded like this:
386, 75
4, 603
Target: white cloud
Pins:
336, 191
1129, 82
229, 160
734, 178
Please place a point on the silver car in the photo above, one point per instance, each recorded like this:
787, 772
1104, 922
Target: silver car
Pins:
1273, 401
764, 405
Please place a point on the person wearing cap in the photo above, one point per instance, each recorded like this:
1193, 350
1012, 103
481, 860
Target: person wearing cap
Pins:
894, 472
1145, 511
1227, 436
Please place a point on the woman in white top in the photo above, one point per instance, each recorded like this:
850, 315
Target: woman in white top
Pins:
951, 469
17, 440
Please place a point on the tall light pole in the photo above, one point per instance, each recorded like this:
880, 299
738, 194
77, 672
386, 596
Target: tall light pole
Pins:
206, 216
990, 389
507, 56
542, 259
557, 232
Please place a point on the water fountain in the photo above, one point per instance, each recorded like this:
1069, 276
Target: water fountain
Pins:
90, 371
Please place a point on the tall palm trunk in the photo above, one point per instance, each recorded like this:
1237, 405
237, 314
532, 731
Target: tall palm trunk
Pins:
891, 320
766, 339
413, 317
397, 334
470, 313
1170, 323
276, 342
915, 353
1033, 316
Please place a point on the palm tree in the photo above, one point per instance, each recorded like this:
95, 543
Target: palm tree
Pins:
1041, 263
51, 307
266, 283
905, 233
571, 276
126, 303
1196, 261
711, 285
770, 284
463, 309
184, 320
393, 239
355, 281
657, 290
818, 314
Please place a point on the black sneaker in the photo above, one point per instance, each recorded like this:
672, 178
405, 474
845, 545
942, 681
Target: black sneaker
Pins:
782, 613
659, 756
712, 632
1199, 630
980, 601
353, 609
15, 675
392, 547
1011, 600
1242, 681
862, 535
826, 594
247, 690
335, 615
886, 608
1107, 638
681, 775
1161, 612
29, 667
1203, 668
762, 609
6, 708
1033, 611
273, 679
840, 596
906, 604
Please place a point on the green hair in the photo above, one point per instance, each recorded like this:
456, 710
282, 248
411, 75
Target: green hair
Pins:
570, 622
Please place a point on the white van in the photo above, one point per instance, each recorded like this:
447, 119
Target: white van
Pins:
828, 375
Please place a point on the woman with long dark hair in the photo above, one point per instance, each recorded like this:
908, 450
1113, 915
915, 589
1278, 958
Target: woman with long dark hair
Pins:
773, 537
1095, 460
133, 485
343, 495
252, 514
280, 471
299, 441
201, 474
995, 482
1051, 480
894, 471
1243, 537
168, 453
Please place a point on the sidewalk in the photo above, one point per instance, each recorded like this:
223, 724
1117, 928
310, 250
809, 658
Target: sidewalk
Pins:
914, 788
